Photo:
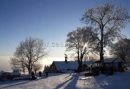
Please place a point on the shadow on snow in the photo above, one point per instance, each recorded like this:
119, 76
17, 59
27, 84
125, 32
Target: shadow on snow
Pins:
71, 82
14, 83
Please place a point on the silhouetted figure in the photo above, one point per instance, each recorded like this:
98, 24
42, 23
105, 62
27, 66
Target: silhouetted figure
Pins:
33, 77
66, 61
46, 74
40, 73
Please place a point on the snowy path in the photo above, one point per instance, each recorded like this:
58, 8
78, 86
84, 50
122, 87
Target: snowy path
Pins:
72, 81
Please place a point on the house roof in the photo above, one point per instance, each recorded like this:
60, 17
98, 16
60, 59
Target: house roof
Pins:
62, 65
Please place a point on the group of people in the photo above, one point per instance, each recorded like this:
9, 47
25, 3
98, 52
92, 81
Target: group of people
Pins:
33, 76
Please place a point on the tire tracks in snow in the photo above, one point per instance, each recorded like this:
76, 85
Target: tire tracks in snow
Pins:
62, 85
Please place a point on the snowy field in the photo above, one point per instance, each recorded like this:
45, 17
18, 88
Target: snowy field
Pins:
72, 81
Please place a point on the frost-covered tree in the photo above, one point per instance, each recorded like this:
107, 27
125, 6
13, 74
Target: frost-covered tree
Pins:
121, 49
81, 41
37, 67
28, 53
109, 20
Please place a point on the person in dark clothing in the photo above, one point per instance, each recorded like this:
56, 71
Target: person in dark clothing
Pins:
40, 73
46, 74
33, 77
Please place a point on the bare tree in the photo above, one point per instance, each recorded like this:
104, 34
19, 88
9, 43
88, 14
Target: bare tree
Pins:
108, 19
17, 65
81, 42
29, 52
121, 49
37, 67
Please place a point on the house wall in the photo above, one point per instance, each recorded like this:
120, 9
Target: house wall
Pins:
115, 66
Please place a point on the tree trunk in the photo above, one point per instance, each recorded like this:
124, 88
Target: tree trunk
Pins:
101, 46
29, 71
79, 66
35, 72
78, 53
101, 50
79, 61
23, 70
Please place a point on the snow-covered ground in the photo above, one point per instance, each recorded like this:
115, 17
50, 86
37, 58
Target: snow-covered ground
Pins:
72, 81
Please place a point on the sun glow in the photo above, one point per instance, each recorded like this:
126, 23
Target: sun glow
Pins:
48, 60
